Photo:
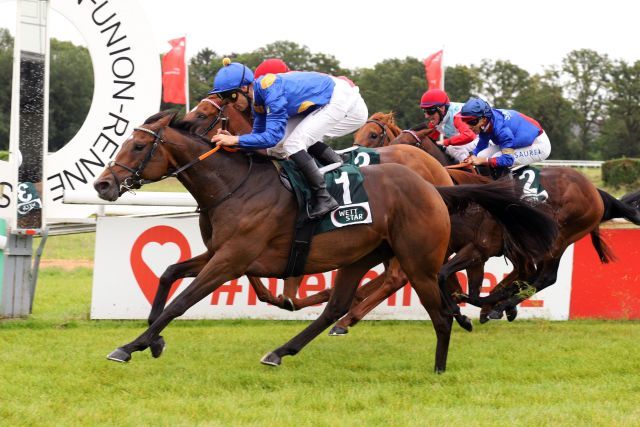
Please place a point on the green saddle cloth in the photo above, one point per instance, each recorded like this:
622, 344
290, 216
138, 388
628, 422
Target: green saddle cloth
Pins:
345, 184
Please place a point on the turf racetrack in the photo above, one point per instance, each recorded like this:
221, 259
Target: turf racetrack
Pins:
53, 371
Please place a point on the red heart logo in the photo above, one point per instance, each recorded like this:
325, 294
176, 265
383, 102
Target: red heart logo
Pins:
157, 241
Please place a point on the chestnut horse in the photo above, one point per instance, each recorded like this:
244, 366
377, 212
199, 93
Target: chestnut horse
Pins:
579, 208
250, 220
476, 236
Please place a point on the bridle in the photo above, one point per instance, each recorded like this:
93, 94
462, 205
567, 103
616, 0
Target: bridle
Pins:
135, 180
216, 119
383, 127
415, 136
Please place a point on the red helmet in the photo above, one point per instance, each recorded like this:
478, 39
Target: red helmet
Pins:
271, 66
434, 98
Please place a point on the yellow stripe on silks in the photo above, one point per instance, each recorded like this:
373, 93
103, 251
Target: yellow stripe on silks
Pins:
259, 109
508, 151
267, 80
305, 105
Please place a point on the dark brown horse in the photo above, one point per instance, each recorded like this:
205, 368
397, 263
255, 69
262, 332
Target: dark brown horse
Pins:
579, 208
251, 215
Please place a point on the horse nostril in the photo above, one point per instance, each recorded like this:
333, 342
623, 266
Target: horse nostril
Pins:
101, 186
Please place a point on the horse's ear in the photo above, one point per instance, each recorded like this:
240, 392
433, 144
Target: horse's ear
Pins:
167, 119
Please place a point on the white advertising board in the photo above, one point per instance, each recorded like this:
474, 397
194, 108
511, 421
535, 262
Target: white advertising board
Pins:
132, 253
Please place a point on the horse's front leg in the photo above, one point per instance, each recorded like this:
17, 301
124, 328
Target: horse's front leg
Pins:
188, 268
218, 270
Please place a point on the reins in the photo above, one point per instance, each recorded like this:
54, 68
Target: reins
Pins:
136, 180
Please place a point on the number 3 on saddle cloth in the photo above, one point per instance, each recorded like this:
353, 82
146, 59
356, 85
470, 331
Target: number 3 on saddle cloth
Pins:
345, 184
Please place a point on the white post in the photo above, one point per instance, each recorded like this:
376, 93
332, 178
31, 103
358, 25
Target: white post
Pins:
186, 76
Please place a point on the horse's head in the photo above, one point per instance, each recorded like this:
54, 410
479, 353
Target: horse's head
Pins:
419, 136
378, 131
140, 159
213, 113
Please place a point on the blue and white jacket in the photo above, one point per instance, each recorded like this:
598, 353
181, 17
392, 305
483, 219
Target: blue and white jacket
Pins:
509, 130
277, 97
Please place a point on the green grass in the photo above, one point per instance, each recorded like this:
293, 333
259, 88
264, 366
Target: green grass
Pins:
68, 246
53, 371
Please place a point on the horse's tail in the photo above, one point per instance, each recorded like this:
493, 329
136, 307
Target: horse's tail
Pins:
527, 229
604, 251
614, 208
632, 199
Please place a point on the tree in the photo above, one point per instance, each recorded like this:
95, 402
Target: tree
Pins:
461, 82
586, 73
70, 91
501, 82
394, 85
542, 100
6, 73
620, 134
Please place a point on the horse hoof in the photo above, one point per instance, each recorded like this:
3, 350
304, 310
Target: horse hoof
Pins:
484, 318
439, 371
271, 359
512, 313
287, 304
338, 331
157, 347
495, 314
119, 355
464, 322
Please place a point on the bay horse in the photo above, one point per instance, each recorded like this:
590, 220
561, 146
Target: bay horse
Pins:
579, 208
379, 129
251, 219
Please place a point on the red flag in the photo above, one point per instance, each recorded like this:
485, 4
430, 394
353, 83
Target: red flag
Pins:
174, 73
433, 70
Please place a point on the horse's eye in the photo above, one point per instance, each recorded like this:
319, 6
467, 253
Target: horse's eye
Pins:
201, 116
138, 147
373, 135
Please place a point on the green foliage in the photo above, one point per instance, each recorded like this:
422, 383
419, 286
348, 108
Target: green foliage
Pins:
461, 82
4, 155
6, 74
621, 172
71, 91
394, 85
502, 82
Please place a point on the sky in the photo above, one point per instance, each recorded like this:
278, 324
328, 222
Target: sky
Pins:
531, 34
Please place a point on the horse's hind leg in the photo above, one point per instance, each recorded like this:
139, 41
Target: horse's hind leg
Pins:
393, 280
547, 277
343, 292
265, 295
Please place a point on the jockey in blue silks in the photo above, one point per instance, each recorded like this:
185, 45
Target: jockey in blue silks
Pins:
293, 113
516, 139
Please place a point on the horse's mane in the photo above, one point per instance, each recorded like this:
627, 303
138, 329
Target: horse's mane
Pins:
418, 128
388, 119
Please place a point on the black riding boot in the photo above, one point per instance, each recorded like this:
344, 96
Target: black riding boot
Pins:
324, 154
321, 200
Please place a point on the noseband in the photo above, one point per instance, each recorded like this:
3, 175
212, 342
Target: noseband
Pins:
135, 180
215, 119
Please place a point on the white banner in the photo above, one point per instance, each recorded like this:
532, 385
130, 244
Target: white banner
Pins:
132, 253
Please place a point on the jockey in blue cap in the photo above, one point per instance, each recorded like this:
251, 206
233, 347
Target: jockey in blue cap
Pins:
517, 139
293, 113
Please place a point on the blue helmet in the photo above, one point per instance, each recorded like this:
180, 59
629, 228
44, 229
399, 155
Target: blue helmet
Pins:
476, 107
231, 76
